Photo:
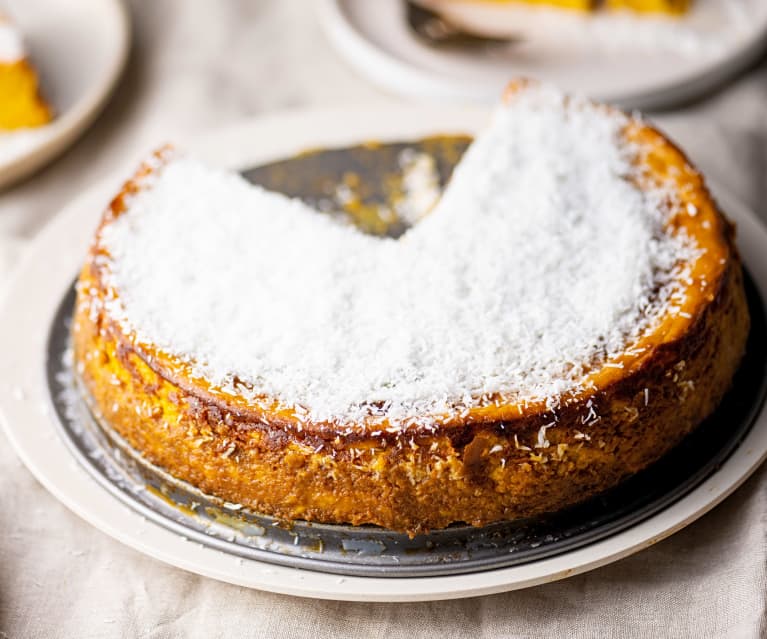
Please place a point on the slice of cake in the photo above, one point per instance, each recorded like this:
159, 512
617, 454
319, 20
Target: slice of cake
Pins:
21, 104
651, 6
580, 5
568, 312
642, 6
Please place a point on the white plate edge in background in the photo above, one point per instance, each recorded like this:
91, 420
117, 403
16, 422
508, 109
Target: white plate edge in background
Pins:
399, 76
53, 139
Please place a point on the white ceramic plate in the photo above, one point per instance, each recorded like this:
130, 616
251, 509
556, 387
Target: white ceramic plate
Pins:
642, 63
79, 48
46, 273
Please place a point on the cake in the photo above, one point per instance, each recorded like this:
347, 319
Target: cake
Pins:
642, 6
570, 309
21, 105
651, 6
580, 5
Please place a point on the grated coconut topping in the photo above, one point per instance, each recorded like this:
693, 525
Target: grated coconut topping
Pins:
541, 260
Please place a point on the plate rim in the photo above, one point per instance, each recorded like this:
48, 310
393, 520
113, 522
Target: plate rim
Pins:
67, 127
400, 77
35, 290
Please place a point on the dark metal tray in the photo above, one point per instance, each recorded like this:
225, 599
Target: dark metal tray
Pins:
368, 550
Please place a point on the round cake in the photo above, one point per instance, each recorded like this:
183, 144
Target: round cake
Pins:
566, 313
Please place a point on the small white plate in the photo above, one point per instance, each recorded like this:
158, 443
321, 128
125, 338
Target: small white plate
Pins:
635, 62
79, 49
53, 260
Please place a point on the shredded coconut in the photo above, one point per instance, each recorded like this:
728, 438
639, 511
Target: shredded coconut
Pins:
420, 182
11, 42
540, 261
542, 441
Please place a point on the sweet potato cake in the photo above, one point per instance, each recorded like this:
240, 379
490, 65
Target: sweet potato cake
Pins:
21, 105
673, 7
571, 308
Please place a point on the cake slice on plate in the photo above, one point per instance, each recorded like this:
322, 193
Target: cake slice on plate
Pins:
21, 104
673, 7
642, 6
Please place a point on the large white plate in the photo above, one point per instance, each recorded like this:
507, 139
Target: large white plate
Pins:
47, 270
80, 49
613, 58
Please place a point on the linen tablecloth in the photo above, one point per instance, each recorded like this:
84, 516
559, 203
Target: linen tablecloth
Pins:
199, 65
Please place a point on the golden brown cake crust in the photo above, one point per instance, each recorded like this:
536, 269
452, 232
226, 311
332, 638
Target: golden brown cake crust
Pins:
497, 463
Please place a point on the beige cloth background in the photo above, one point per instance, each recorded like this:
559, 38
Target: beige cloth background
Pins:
198, 65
